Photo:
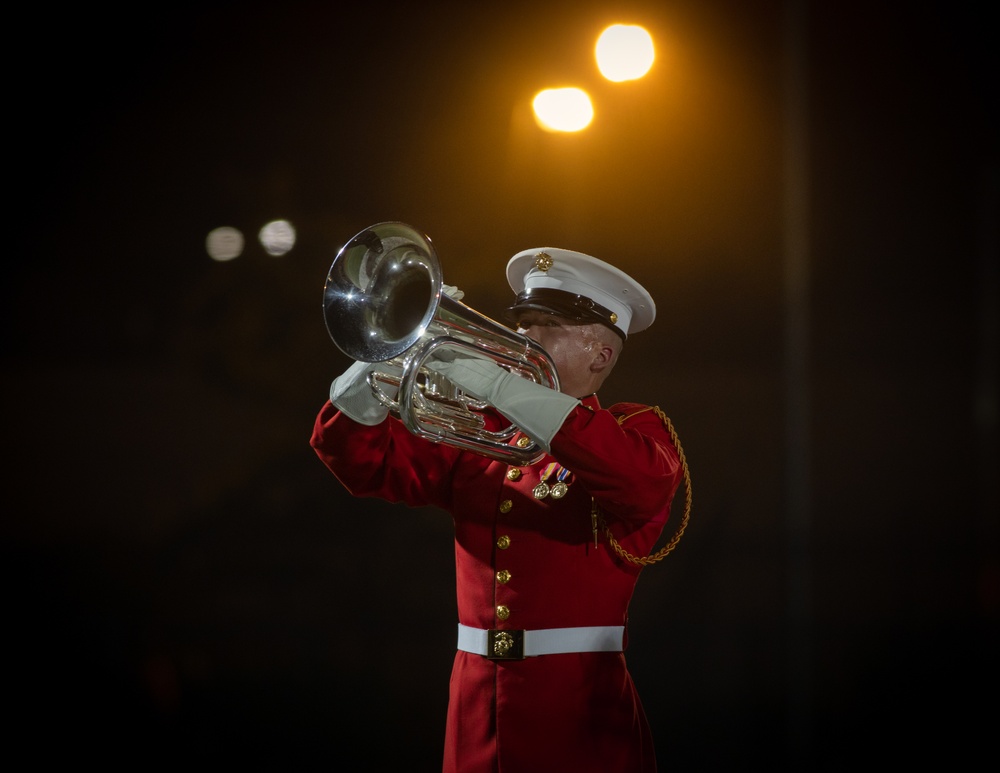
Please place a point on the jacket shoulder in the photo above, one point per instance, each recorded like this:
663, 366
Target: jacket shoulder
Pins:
647, 419
625, 411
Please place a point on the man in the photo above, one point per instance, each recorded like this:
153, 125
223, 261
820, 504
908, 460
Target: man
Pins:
543, 569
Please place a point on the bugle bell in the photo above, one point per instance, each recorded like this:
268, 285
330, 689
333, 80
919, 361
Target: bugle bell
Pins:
384, 302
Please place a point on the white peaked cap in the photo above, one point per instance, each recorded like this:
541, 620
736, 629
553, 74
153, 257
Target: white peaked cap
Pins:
577, 286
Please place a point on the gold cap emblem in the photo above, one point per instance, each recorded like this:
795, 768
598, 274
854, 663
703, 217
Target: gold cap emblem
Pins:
614, 318
543, 261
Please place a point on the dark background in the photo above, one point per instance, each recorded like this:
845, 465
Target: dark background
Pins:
185, 581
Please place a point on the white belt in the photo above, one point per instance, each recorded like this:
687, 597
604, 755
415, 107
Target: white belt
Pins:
498, 644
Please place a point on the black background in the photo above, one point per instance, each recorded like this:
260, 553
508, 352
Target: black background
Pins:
185, 581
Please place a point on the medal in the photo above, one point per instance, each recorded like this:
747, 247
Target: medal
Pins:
542, 489
560, 487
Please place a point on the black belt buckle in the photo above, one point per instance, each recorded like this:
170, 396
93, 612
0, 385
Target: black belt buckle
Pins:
504, 645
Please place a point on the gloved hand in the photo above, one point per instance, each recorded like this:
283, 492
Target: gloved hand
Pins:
452, 292
536, 409
351, 393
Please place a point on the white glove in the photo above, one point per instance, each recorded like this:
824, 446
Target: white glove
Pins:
351, 393
536, 409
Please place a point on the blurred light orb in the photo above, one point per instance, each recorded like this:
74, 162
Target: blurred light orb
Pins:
224, 243
624, 52
277, 237
563, 110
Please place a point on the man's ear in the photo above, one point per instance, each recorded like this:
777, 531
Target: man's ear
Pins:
604, 355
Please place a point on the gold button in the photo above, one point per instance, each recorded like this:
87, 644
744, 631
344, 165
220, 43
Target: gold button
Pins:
513, 473
503, 612
503, 577
505, 506
524, 441
503, 542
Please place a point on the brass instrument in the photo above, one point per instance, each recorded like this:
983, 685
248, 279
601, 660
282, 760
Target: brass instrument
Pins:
384, 302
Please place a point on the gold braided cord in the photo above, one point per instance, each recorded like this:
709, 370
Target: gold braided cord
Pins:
662, 553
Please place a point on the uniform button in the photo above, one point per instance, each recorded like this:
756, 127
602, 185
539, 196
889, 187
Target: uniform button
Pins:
513, 473
505, 506
503, 577
524, 441
503, 542
503, 612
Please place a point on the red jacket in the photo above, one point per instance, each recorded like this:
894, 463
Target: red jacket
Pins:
575, 712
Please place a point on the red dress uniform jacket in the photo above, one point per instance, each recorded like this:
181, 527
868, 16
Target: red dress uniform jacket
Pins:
529, 563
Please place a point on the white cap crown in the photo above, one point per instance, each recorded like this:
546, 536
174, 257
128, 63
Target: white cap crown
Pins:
579, 286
